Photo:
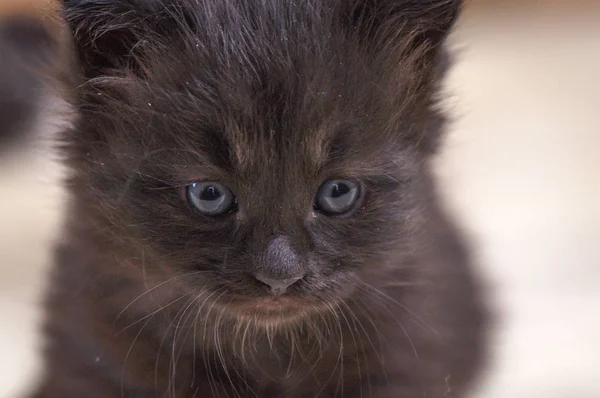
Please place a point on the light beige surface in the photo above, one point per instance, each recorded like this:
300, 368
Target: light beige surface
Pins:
521, 169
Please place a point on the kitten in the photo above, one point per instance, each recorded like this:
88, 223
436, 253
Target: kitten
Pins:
252, 210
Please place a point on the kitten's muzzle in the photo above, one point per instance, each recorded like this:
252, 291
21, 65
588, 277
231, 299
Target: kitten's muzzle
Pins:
278, 286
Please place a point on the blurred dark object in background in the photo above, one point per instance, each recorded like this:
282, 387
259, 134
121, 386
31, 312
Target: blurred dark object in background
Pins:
26, 50
18, 91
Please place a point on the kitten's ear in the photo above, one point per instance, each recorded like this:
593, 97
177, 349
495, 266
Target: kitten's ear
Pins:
111, 35
385, 22
405, 39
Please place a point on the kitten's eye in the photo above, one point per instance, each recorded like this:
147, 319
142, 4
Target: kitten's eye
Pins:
210, 198
337, 196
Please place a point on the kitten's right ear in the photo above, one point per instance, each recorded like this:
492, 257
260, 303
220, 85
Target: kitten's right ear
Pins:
111, 35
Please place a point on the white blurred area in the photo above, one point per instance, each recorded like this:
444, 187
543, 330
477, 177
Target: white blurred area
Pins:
521, 171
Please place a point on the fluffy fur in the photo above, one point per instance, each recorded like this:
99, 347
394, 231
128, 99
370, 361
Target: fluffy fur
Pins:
272, 98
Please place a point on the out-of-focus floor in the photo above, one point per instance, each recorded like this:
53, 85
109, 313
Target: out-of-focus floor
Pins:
521, 170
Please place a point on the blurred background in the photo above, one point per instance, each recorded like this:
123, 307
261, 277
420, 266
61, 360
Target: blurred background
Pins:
520, 170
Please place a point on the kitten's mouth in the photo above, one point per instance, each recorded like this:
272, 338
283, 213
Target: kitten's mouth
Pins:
272, 308
270, 305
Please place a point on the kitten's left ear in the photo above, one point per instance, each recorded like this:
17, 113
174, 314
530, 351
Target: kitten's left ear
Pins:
434, 19
383, 23
405, 39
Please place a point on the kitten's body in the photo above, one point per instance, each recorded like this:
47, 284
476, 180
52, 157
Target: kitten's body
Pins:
272, 98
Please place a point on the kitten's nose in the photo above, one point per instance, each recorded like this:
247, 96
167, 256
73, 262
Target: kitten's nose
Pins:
278, 286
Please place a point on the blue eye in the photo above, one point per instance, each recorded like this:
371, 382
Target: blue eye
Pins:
210, 198
337, 197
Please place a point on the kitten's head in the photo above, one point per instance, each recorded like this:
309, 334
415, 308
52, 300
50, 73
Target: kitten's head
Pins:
267, 153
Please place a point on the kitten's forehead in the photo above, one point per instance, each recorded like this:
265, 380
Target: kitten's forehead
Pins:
291, 126
284, 121
304, 144
309, 116
248, 150
246, 99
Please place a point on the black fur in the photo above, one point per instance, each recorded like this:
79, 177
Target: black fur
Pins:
271, 98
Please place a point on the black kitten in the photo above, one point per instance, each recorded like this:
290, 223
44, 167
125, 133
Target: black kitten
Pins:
252, 210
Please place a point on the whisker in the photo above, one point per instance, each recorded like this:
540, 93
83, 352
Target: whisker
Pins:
316, 346
151, 314
127, 356
340, 383
379, 293
219, 348
187, 314
243, 344
216, 344
365, 312
207, 350
198, 311
366, 334
414, 349
172, 362
355, 348
331, 310
156, 287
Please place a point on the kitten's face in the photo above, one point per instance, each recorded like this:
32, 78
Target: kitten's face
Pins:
273, 173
